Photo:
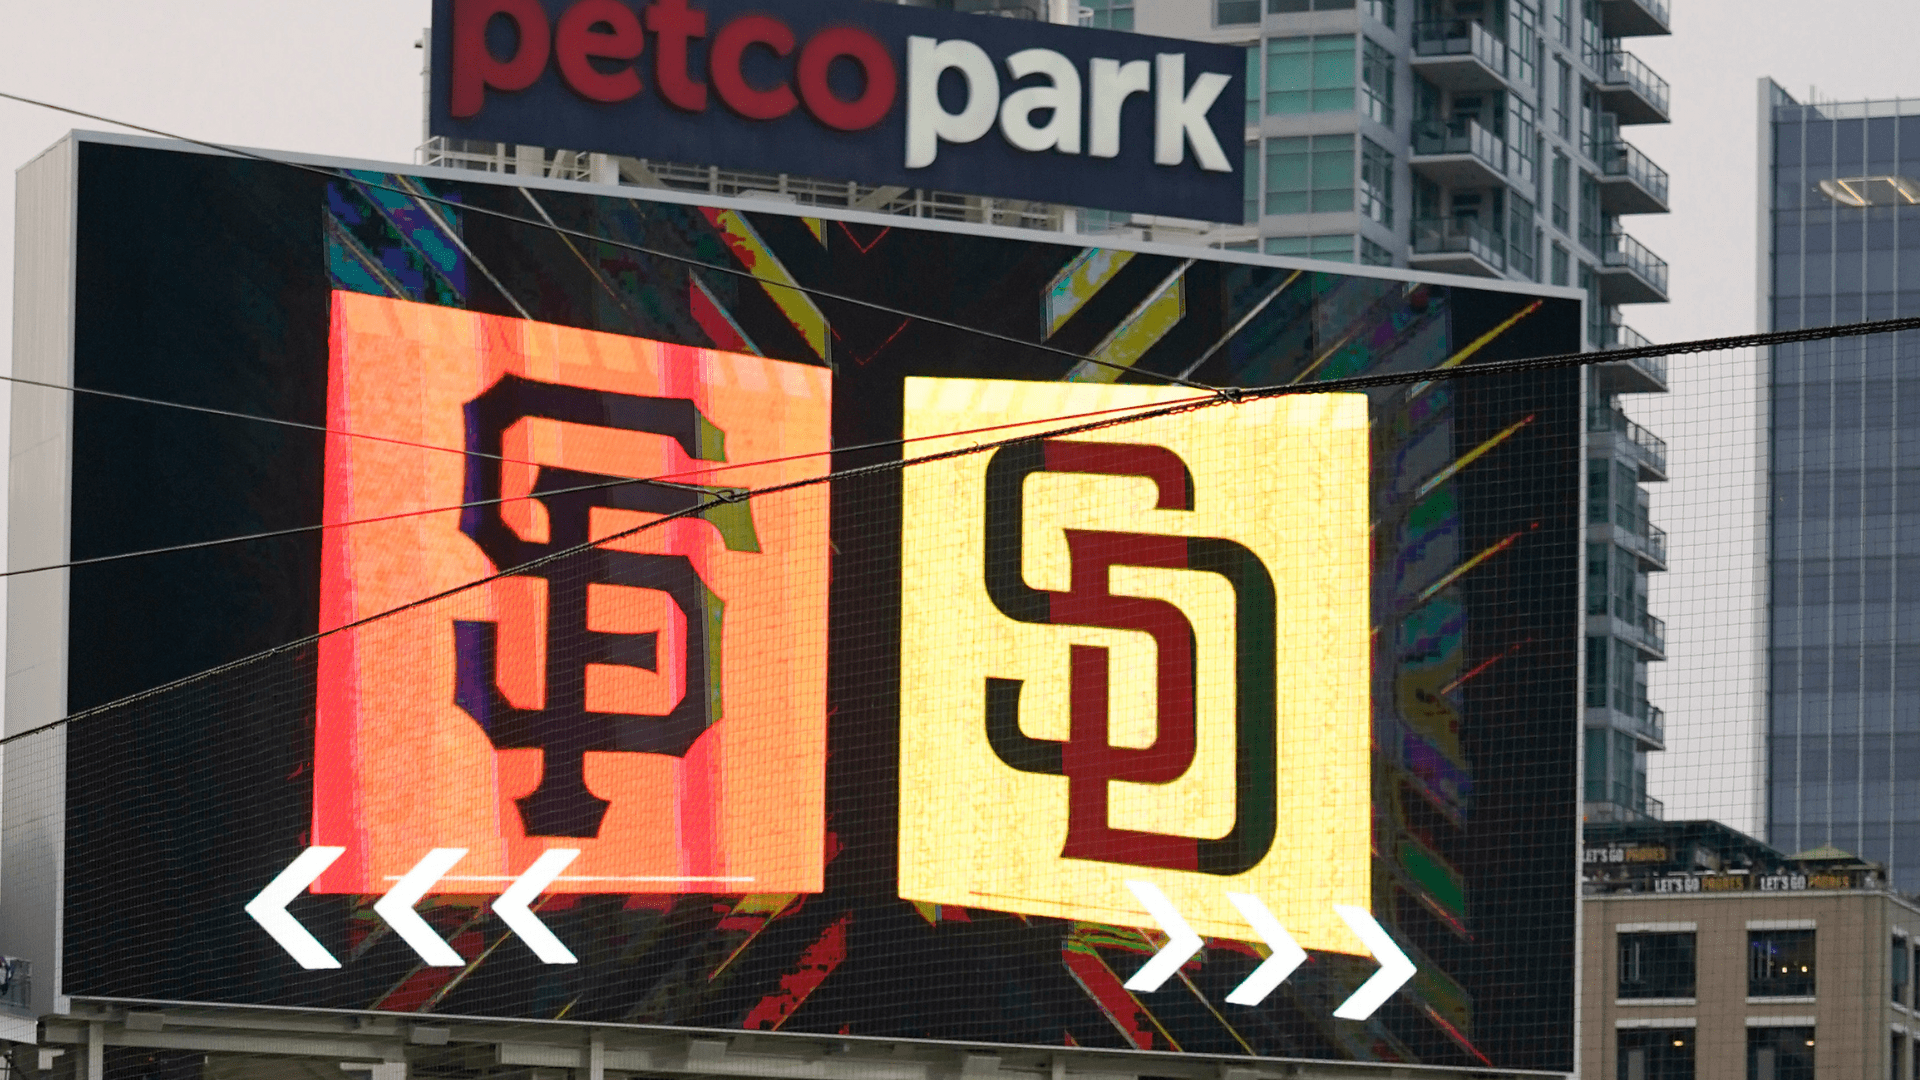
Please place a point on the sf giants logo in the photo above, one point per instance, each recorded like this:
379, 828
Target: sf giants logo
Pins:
1137, 655
1088, 758
656, 702
564, 728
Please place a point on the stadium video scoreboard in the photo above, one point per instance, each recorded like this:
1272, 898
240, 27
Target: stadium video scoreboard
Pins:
1202, 727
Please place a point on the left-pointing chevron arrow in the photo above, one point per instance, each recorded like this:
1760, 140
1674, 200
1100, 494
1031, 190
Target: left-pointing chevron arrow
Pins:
269, 909
1181, 944
397, 907
512, 906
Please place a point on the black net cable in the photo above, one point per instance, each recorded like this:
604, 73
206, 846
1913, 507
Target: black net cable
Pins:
1225, 396
578, 234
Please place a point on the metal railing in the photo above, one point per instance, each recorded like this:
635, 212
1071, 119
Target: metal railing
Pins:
1459, 236
1619, 249
1617, 336
1645, 444
1619, 802
1618, 67
1462, 136
1460, 37
1625, 159
712, 180
1650, 541
1656, 8
1649, 630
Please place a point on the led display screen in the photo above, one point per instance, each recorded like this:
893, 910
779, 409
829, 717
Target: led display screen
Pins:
1071, 666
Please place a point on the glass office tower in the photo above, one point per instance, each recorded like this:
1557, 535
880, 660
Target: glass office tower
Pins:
1843, 224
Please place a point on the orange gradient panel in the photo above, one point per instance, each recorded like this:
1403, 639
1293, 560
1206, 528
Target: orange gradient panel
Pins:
402, 766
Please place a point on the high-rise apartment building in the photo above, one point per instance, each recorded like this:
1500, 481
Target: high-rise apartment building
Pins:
1841, 220
1477, 137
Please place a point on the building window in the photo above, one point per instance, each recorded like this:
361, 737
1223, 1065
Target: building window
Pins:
1376, 182
1896, 1058
1597, 654
1596, 765
1780, 963
1241, 245
1106, 14
1250, 185
1589, 282
1779, 1053
1285, 7
1523, 240
1901, 976
1235, 12
1655, 1054
1563, 99
1253, 85
1560, 264
1380, 11
1562, 193
1310, 74
1372, 254
1376, 76
1334, 248
1310, 174
1590, 224
1656, 965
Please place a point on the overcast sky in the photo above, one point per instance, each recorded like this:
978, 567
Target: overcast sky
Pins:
343, 78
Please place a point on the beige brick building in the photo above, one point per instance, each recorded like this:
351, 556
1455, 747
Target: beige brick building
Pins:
1708, 959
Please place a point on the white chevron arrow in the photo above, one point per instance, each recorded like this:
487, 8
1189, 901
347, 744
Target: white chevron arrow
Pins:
269, 909
1395, 968
1181, 944
397, 907
1280, 963
513, 906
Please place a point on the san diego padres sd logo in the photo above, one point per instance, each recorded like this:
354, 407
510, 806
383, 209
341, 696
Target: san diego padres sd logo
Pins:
1139, 653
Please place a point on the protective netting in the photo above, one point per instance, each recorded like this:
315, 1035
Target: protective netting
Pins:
701, 651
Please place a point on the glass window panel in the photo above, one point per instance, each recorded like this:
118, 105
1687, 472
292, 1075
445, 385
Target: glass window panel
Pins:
1656, 965
1655, 1054
1780, 1053
1780, 963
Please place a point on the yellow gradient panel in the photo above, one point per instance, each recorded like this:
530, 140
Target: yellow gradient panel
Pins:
1281, 484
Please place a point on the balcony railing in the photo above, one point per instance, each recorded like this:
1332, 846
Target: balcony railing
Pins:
1459, 236
1460, 37
1652, 17
1648, 630
1622, 250
1646, 445
1624, 159
1620, 68
1463, 136
1619, 802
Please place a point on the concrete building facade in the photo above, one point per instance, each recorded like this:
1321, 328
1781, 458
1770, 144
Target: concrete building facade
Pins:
1708, 954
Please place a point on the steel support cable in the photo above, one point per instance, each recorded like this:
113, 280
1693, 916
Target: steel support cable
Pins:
1358, 382
669, 480
641, 249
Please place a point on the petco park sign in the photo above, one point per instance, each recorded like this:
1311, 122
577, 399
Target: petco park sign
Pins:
852, 89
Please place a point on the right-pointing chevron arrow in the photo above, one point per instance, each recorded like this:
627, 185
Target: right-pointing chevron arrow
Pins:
1286, 955
397, 907
512, 906
1181, 944
1395, 968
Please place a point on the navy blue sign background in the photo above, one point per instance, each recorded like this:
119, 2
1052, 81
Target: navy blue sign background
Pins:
551, 113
